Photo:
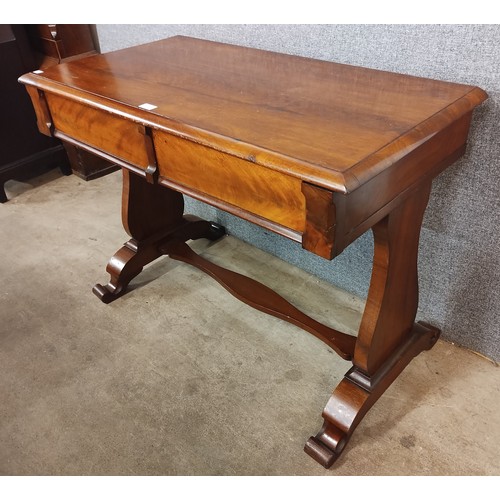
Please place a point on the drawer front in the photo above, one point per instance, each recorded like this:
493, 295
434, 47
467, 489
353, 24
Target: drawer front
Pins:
232, 181
101, 130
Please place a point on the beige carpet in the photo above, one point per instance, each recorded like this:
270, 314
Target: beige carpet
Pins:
179, 378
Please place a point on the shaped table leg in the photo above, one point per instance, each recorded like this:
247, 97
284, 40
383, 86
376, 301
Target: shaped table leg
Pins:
388, 339
152, 215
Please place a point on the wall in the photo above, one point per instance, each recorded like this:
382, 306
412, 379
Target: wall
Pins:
459, 259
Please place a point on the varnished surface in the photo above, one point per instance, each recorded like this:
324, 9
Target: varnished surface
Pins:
316, 151
330, 124
392, 301
356, 394
234, 181
105, 132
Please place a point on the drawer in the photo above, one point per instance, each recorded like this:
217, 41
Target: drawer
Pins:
103, 131
230, 181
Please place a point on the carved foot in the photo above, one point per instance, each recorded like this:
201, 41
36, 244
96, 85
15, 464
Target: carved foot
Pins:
123, 267
130, 259
327, 445
357, 393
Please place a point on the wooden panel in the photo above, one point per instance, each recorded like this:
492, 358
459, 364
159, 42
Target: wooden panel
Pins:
360, 210
61, 41
75, 39
332, 125
99, 129
243, 184
319, 231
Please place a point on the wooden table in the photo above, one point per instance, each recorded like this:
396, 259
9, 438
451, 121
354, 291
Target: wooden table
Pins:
315, 151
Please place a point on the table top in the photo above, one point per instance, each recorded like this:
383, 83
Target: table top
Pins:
332, 124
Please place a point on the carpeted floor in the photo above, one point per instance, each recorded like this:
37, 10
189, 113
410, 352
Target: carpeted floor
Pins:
179, 378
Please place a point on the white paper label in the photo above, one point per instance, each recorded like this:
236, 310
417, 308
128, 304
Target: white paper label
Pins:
147, 106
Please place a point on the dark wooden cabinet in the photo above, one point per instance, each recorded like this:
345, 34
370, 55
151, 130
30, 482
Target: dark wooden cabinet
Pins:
24, 152
61, 42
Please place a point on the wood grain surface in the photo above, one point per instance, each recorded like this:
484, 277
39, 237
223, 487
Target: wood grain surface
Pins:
316, 151
330, 124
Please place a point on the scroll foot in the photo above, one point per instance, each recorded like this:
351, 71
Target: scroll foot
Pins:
131, 258
357, 393
123, 267
327, 445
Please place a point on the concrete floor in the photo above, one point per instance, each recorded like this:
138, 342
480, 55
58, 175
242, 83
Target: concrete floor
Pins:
179, 378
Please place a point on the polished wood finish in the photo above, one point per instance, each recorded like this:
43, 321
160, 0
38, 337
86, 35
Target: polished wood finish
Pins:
54, 44
318, 152
237, 185
330, 124
392, 299
149, 213
152, 216
117, 136
319, 232
357, 393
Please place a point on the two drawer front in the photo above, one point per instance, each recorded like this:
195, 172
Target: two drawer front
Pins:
103, 131
230, 181
227, 180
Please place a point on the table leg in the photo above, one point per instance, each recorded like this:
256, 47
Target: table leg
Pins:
388, 339
152, 215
